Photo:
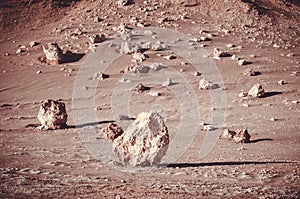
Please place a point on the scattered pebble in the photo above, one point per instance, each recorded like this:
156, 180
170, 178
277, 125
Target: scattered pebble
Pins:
281, 82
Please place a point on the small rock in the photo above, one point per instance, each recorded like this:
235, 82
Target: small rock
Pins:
19, 50
256, 91
242, 62
197, 74
33, 43
168, 82
122, 117
138, 57
112, 131
124, 2
281, 82
243, 94
154, 94
97, 38
205, 84
208, 128
230, 45
145, 141
140, 88
290, 55
169, 57
38, 72
52, 115
155, 66
217, 53
273, 119
242, 136
100, 76
249, 72
136, 69
53, 53
228, 134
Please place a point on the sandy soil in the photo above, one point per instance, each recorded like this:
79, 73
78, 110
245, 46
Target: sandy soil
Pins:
58, 163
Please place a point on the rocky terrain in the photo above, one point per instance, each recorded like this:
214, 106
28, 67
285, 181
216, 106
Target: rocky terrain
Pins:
252, 46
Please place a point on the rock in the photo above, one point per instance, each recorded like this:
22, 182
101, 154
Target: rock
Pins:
99, 76
19, 51
281, 82
155, 66
205, 84
140, 88
124, 2
249, 72
38, 72
169, 57
228, 134
242, 136
256, 91
138, 57
97, 38
122, 117
155, 93
134, 68
33, 43
168, 82
217, 53
144, 142
112, 131
243, 94
52, 115
242, 62
230, 45
208, 128
53, 53
197, 74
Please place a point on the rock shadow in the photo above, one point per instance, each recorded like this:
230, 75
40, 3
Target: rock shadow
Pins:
260, 140
270, 94
72, 57
229, 163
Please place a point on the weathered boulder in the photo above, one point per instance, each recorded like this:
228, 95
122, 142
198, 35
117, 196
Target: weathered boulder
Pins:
112, 131
53, 53
241, 136
144, 142
256, 91
52, 115
205, 84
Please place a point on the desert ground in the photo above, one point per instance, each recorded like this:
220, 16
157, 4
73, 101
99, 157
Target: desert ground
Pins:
70, 163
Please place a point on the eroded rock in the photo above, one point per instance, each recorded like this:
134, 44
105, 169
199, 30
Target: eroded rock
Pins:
249, 72
112, 131
217, 53
97, 38
52, 115
145, 141
53, 53
241, 136
135, 68
205, 84
256, 91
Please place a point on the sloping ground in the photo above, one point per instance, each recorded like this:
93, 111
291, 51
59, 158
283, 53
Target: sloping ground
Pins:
267, 22
21, 15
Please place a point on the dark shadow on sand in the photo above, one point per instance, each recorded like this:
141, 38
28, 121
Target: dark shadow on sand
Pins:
72, 57
89, 124
270, 94
260, 140
230, 163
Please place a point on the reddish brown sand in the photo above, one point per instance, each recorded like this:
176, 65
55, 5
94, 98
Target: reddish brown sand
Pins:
56, 164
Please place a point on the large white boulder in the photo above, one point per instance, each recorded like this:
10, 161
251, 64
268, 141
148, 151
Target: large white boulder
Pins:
52, 115
145, 141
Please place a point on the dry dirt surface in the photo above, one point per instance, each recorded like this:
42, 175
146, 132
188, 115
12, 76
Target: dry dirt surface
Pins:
59, 164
